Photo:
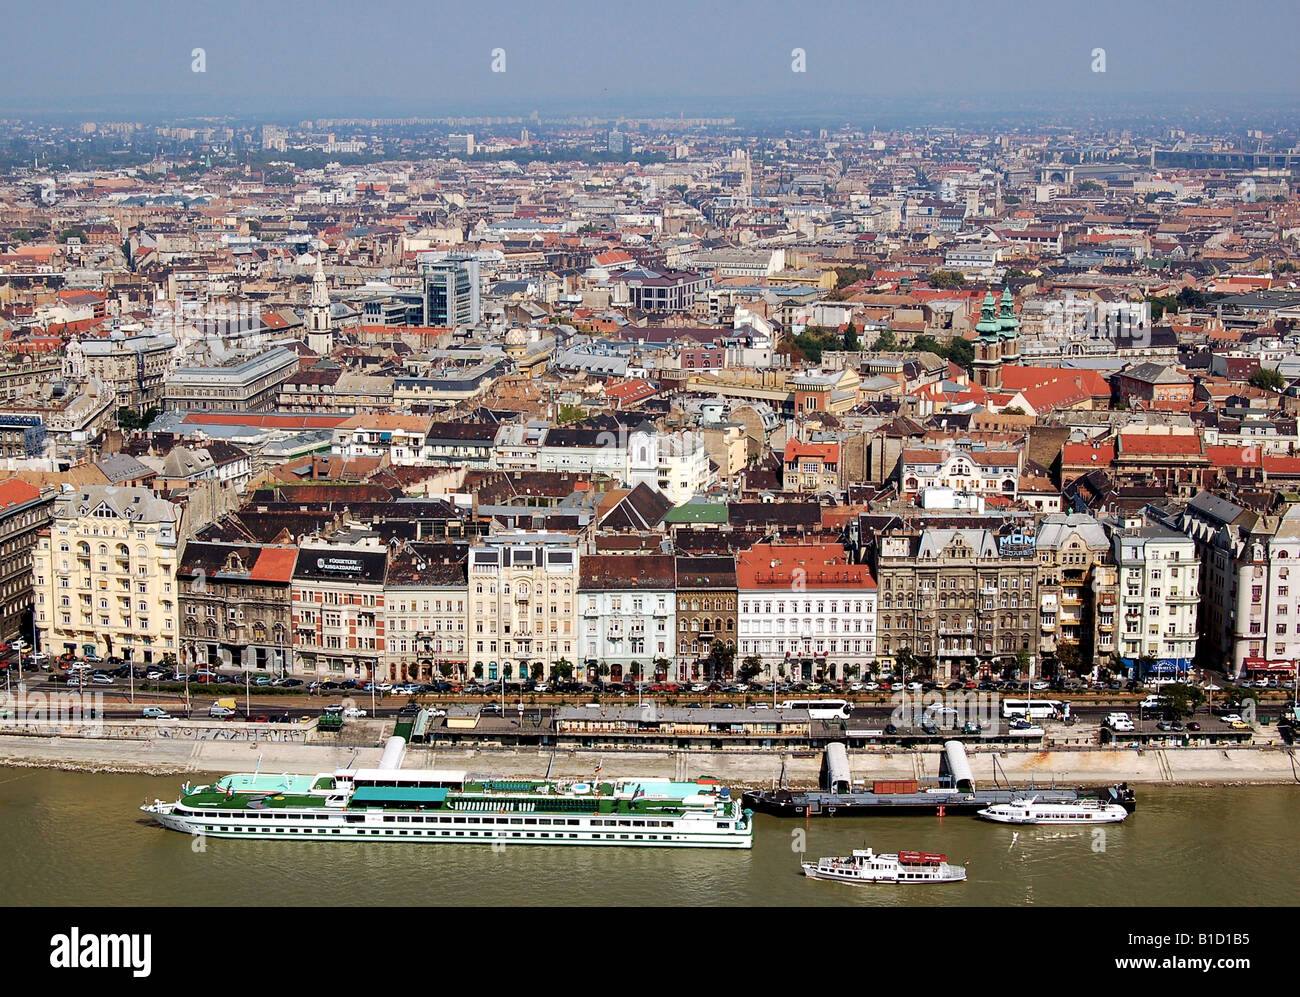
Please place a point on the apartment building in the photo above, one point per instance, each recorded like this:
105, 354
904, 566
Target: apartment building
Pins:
1076, 593
1159, 588
24, 513
677, 464
706, 612
339, 610
805, 611
425, 598
106, 575
627, 604
963, 601
251, 385
400, 438
236, 606
964, 469
811, 467
1248, 616
522, 605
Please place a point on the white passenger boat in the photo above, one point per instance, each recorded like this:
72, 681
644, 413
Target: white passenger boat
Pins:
865, 866
1031, 811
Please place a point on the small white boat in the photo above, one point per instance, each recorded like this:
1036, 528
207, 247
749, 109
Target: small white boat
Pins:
865, 866
1030, 811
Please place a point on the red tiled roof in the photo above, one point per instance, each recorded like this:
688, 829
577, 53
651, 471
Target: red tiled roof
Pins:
1187, 444
15, 491
1101, 455
794, 449
275, 564
267, 421
823, 566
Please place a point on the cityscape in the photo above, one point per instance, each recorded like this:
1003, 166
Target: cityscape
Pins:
642, 469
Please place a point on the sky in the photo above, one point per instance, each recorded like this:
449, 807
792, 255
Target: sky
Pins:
405, 56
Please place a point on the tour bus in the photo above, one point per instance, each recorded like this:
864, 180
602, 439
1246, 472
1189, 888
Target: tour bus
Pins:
1035, 709
820, 709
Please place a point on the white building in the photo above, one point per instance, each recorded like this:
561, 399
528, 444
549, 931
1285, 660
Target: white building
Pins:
675, 463
805, 611
627, 606
1159, 579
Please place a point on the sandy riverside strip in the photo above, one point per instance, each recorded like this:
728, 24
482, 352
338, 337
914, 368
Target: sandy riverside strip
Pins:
1095, 766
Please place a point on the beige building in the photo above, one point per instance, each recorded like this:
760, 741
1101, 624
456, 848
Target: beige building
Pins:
425, 597
1076, 592
522, 602
106, 575
132, 368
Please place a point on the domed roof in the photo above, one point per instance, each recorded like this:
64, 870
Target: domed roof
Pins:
516, 337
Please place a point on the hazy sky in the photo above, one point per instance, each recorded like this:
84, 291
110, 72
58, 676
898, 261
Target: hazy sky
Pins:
89, 53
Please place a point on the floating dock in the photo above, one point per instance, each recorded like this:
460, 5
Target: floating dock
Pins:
954, 792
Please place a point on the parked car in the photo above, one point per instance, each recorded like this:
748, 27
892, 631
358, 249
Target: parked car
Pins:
101, 679
1193, 726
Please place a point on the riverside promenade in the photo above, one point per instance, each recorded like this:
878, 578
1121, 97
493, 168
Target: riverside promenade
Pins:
1265, 764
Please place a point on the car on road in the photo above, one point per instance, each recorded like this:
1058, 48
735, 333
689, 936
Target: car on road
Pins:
353, 713
1239, 725
155, 713
260, 719
221, 712
1231, 718
891, 729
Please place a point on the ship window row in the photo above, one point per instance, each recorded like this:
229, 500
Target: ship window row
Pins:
416, 819
234, 829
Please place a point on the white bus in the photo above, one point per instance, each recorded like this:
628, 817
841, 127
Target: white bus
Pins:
820, 709
1035, 709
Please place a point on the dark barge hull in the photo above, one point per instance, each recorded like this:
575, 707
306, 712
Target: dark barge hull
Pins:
789, 803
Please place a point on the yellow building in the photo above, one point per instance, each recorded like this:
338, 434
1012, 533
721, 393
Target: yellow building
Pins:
105, 575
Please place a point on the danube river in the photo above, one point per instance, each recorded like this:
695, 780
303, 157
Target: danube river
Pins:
76, 839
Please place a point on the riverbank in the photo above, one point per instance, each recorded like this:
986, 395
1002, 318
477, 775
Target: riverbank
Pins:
1262, 765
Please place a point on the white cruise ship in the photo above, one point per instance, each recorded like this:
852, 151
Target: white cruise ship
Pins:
1030, 811
865, 866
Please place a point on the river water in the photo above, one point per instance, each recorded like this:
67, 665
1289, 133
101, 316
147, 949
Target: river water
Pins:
72, 839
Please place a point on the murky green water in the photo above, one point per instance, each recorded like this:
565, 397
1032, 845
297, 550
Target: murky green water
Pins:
79, 839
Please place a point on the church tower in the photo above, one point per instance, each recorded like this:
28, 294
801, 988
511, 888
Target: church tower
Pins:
986, 370
320, 327
1009, 329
